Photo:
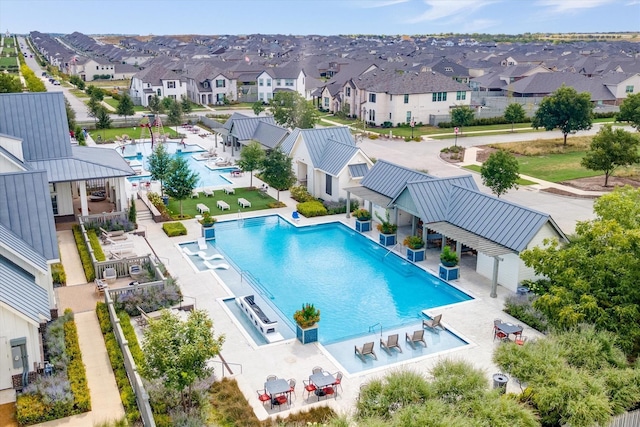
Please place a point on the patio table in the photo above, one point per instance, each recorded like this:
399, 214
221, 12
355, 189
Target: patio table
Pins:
509, 328
322, 380
275, 387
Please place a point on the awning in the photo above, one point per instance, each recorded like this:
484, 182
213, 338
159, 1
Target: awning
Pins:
470, 239
366, 194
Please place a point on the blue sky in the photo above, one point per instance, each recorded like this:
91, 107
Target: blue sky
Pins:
324, 17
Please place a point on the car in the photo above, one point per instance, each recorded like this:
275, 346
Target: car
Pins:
57, 83
44, 74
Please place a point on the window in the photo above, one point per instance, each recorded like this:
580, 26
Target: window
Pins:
347, 91
326, 101
261, 96
220, 83
372, 97
54, 197
219, 97
439, 96
629, 89
372, 115
260, 82
461, 95
268, 82
269, 96
205, 84
159, 92
408, 116
328, 183
448, 69
172, 97
289, 82
278, 82
97, 67
406, 98
171, 85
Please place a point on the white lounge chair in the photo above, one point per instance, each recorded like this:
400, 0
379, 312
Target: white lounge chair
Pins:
204, 256
221, 266
202, 244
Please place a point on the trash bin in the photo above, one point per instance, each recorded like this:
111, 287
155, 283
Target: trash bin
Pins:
165, 200
500, 381
522, 290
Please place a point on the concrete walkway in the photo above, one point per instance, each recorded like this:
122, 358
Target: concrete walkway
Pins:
70, 258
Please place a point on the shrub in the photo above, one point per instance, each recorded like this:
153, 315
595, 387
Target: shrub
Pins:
58, 275
149, 299
311, 209
413, 242
362, 214
373, 136
75, 371
156, 200
339, 207
85, 257
173, 229
300, 194
521, 307
95, 245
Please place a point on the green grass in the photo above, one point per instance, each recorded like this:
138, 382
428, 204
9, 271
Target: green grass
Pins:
110, 134
520, 181
114, 103
257, 199
78, 93
4, 61
556, 167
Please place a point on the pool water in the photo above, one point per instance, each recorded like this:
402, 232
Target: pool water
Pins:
137, 155
359, 286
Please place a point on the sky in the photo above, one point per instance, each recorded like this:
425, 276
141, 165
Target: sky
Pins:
323, 17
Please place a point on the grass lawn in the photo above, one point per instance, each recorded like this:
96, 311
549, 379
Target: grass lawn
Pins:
110, 134
107, 84
556, 167
6, 62
520, 181
257, 199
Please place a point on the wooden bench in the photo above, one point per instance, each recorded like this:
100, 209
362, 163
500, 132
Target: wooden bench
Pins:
221, 204
244, 202
202, 208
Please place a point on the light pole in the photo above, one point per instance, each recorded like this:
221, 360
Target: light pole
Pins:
455, 142
413, 124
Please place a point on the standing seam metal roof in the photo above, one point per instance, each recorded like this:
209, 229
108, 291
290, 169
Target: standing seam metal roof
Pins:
358, 170
388, 178
330, 156
269, 134
19, 291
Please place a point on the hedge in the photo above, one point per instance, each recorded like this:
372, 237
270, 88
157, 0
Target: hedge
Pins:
57, 274
75, 370
173, 229
311, 209
117, 361
85, 256
95, 245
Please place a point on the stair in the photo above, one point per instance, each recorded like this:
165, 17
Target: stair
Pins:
144, 215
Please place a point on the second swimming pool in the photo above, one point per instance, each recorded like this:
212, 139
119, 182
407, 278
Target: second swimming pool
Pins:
358, 285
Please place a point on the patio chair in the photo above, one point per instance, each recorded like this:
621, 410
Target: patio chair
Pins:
135, 270
309, 387
263, 396
109, 275
418, 336
271, 378
292, 386
366, 349
101, 286
391, 342
520, 339
433, 323
338, 376
221, 266
316, 370
203, 256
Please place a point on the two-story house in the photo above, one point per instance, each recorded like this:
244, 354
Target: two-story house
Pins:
156, 80
272, 80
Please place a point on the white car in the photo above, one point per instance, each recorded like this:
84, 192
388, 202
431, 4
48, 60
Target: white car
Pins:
57, 83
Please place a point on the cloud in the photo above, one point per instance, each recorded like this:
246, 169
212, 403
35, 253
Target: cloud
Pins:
559, 6
454, 11
379, 3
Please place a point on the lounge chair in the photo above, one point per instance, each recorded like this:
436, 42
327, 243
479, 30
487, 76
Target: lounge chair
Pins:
205, 257
187, 251
392, 342
366, 349
221, 266
202, 244
109, 275
101, 285
418, 336
433, 323
207, 192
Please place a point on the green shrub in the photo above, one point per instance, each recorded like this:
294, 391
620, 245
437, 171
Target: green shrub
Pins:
85, 257
373, 136
57, 274
173, 229
75, 370
300, 194
311, 209
521, 307
30, 409
95, 245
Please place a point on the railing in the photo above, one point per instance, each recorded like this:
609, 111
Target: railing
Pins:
628, 419
225, 365
256, 283
102, 218
372, 328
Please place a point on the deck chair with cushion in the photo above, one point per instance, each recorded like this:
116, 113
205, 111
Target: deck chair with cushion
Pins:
391, 342
366, 349
418, 336
433, 323
109, 275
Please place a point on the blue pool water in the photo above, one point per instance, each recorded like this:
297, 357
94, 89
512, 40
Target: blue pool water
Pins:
216, 177
354, 282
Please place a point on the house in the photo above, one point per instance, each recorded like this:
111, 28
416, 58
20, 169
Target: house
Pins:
326, 160
156, 80
207, 85
454, 208
543, 84
34, 135
278, 79
240, 130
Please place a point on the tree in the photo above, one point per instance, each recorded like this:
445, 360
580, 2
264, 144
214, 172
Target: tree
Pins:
9, 84
565, 109
251, 158
125, 107
155, 105
290, 109
461, 116
71, 116
185, 104
257, 107
104, 120
174, 116
500, 172
514, 113
277, 171
630, 111
159, 164
180, 180
77, 82
93, 106
610, 149
594, 280
177, 352
166, 103
132, 211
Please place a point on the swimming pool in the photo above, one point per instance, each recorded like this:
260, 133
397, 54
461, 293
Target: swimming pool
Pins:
358, 285
137, 154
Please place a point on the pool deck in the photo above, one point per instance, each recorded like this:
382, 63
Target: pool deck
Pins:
472, 320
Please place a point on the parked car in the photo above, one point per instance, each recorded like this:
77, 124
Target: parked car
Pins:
57, 83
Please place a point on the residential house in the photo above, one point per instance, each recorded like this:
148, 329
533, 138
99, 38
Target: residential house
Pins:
278, 79
240, 130
156, 80
207, 85
326, 160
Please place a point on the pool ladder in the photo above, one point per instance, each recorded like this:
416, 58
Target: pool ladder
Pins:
372, 328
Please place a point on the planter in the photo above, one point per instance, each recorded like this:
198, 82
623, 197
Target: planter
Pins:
307, 335
208, 232
415, 255
363, 226
387, 239
448, 263
449, 273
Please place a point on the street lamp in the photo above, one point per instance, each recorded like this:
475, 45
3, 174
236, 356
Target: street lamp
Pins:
413, 124
455, 142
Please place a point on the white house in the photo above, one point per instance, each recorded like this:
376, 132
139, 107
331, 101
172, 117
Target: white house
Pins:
156, 80
277, 79
207, 85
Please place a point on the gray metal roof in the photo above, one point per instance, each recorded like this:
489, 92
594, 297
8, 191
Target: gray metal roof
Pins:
358, 170
12, 243
25, 209
244, 128
22, 115
389, 179
368, 194
330, 156
431, 197
19, 291
472, 240
229, 123
269, 134
337, 133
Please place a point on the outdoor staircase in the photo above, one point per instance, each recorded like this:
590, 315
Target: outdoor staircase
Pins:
144, 215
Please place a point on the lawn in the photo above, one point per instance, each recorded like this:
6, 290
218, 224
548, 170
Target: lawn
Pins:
6, 62
556, 167
110, 134
258, 201
520, 181
114, 103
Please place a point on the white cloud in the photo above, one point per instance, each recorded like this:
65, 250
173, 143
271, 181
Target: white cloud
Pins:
559, 6
455, 10
379, 3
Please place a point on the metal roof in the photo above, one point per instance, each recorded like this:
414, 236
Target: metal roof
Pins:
94, 163
368, 194
25, 209
431, 197
19, 291
470, 239
389, 179
12, 243
244, 128
330, 156
269, 134
358, 170
22, 115
336, 133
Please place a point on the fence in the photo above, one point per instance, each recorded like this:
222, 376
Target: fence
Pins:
628, 419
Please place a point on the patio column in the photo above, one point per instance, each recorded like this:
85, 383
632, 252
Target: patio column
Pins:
395, 215
494, 280
458, 249
84, 208
348, 203
121, 194
413, 225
